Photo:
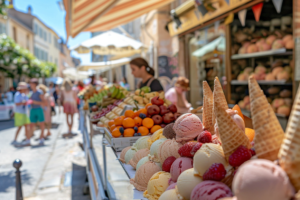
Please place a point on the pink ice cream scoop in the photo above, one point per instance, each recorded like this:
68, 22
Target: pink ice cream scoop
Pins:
179, 165
236, 118
172, 186
187, 127
261, 180
210, 190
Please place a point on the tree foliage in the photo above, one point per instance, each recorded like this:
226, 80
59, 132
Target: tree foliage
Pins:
16, 61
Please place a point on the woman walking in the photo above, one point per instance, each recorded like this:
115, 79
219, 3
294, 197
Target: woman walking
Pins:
47, 108
69, 102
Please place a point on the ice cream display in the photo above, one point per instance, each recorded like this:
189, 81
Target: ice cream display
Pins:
210, 190
180, 165
208, 103
230, 134
169, 132
129, 154
207, 155
141, 162
142, 143
167, 149
169, 195
157, 184
260, 180
138, 156
187, 127
122, 155
156, 136
154, 149
186, 183
268, 131
219, 98
143, 175
289, 154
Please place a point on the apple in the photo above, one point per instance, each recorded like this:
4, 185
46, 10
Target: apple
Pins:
95, 108
163, 110
157, 101
153, 110
157, 119
168, 118
176, 115
163, 125
172, 108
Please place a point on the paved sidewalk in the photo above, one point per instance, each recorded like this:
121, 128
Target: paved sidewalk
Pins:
54, 171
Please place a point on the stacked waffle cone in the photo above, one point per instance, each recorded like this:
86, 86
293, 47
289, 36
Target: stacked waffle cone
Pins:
208, 103
268, 131
230, 134
219, 97
289, 154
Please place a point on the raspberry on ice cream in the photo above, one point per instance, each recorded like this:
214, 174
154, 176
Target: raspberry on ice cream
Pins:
210, 190
168, 163
187, 127
216, 172
241, 155
186, 149
204, 137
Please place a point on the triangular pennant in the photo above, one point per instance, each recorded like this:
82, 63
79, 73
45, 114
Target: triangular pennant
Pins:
277, 4
242, 16
257, 10
201, 8
229, 19
227, 1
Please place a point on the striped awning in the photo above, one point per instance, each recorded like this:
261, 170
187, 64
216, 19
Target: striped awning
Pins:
103, 15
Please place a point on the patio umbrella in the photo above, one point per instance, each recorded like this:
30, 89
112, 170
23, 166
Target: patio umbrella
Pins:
111, 43
103, 66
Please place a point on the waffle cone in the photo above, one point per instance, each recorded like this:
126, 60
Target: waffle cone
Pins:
268, 131
219, 97
231, 135
208, 103
289, 154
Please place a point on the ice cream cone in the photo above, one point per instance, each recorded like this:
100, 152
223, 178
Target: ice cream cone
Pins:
208, 103
268, 131
289, 154
219, 97
231, 135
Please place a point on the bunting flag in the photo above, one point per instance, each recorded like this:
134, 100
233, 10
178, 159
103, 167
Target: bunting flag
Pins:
257, 10
227, 1
242, 16
278, 5
201, 7
229, 19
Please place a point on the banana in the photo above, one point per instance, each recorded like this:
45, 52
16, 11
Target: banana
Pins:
138, 98
162, 95
168, 102
145, 100
137, 92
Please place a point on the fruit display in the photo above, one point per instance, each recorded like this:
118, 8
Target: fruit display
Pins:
229, 163
153, 117
143, 96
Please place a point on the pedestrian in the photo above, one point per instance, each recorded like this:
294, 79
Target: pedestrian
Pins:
177, 94
21, 113
57, 97
36, 112
80, 86
51, 89
69, 102
47, 108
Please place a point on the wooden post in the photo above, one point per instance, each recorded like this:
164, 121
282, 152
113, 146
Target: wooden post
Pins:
228, 63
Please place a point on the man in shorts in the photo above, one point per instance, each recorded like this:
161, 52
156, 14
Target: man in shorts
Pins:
21, 113
36, 112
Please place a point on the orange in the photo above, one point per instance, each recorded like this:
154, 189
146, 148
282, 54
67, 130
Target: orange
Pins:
129, 113
155, 128
138, 121
111, 122
129, 132
116, 133
147, 105
148, 122
143, 130
237, 108
144, 111
113, 127
119, 120
136, 114
250, 133
128, 122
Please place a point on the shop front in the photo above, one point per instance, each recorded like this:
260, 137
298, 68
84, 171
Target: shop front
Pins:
236, 39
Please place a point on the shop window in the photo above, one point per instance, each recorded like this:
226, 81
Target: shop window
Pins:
15, 34
27, 41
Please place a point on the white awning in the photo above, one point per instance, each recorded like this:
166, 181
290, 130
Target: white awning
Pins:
103, 66
218, 44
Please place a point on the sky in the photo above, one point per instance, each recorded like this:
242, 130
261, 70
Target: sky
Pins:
49, 12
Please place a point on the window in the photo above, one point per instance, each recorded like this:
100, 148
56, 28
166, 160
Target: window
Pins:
15, 34
2, 28
40, 32
54, 39
45, 36
50, 38
35, 29
50, 58
27, 41
46, 56
35, 51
